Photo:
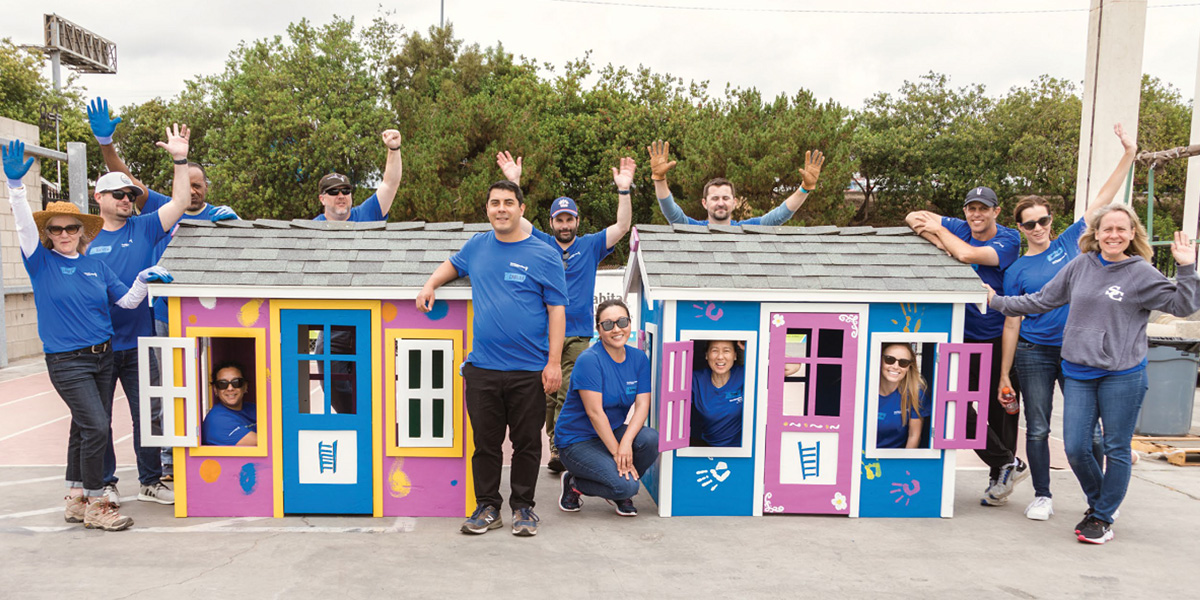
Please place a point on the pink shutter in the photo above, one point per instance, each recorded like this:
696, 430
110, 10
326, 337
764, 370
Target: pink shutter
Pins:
962, 397
675, 396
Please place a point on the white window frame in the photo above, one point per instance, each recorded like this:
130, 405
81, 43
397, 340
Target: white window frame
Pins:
425, 393
169, 392
750, 361
877, 341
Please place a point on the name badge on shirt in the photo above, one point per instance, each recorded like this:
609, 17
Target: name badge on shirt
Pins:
100, 250
518, 277
67, 270
631, 387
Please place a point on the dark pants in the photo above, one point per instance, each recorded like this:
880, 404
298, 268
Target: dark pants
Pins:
82, 379
499, 400
1002, 428
595, 469
149, 460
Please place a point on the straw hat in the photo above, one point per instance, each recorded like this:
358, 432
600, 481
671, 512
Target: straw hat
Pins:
91, 223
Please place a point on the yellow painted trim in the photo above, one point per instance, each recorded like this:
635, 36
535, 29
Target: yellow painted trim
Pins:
259, 335
468, 432
276, 416
175, 326
389, 384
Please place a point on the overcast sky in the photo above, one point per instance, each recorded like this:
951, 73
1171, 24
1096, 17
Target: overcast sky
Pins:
846, 55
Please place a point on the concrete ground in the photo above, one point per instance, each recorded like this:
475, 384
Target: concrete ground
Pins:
981, 553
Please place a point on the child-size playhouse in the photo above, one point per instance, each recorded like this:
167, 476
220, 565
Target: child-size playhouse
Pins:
823, 300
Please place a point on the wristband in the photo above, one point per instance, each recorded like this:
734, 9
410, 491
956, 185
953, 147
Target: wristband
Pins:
804, 191
105, 140
393, 149
624, 192
181, 161
663, 178
15, 183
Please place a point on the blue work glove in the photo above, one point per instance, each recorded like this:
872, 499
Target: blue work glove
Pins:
155, 274
14, 168
102, 126
222, 213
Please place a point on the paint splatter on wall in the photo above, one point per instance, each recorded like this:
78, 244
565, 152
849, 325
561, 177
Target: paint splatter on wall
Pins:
398, 483
248, 478
210, 470
249, 313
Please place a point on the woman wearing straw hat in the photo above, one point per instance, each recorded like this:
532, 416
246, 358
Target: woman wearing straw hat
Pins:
72, 293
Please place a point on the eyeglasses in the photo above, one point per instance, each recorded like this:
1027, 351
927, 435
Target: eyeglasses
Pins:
608, 325
339, 192
566, 255
891, 360
224, 384
120, 194
1044, 222
58, 229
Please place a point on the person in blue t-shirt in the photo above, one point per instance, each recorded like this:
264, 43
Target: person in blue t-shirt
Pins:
901, 398
519, 299
719, 197
127, 244
1033, 344
232, 421
990, 248
581, 255
337, 192
604, 456
718, 397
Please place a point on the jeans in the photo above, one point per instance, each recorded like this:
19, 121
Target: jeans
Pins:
1002, 428
595, 469
573, 346
81, 379
1115, 400
149, 460
496, 401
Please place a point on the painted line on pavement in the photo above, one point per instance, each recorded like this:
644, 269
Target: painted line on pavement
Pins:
26, 398
52, 478
28, 429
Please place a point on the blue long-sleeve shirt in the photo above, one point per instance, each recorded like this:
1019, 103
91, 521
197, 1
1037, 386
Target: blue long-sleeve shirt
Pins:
778, 215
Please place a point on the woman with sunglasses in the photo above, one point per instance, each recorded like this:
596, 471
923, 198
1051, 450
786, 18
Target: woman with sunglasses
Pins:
604, 456
232, 421
901, 399
1033, 344
73, 293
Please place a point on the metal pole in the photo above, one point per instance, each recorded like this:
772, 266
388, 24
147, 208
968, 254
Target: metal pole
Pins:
77, 174
442, 16
1150, 203
56, 72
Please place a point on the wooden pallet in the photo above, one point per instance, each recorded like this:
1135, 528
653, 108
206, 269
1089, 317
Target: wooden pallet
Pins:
1180, 451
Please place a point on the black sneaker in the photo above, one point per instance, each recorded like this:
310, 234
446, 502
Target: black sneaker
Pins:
525, 522
484, 518
1086, 515
569, 500
1095, 531
555, 464
625, 507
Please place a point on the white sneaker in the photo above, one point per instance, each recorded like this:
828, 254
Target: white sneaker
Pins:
112, 495
1040, 509
159, 492
1010, 475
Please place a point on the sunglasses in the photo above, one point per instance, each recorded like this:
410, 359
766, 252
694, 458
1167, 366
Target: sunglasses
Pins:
608, 325
566, 255
224, 384
121, 194
891, 360
339, 192
58, 229
1044, 222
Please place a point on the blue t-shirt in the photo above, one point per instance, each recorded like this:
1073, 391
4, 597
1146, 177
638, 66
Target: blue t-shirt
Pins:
224, 426
717, 412
1030, 273
128, 251
73, 297
582, 258
1007, 244
367, 211
892, 432
155, 201
1083, 372
619, 383
511, 285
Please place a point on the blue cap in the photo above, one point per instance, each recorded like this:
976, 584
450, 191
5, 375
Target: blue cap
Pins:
563, 205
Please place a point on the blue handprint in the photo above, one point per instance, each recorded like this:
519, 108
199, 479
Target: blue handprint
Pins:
15, 167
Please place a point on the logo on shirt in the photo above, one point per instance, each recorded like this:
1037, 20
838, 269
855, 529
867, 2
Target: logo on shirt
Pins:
631, 387
522, 267
1115, 293
733, 397
1057, 256
518, 277
100, 250
67, 270
91, 274
568, 257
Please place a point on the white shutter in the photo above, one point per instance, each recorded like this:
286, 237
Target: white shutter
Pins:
168, 392
425, 413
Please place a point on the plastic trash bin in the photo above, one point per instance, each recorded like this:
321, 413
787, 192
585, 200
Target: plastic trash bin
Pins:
1171, 370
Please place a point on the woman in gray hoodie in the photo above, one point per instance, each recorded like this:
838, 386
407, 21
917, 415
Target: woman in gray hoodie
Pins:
1111, 289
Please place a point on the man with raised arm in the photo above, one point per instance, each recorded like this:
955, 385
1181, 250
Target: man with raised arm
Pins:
127, 244
580, 257
519, 297
336, 191
719, 197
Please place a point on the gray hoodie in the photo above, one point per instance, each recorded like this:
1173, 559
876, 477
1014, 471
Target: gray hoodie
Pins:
1110, 305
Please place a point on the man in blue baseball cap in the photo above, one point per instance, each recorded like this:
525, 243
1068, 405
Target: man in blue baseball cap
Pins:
581, 255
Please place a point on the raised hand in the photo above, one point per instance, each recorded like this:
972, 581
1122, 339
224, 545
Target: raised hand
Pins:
15, 165
1128, 141
1183, 249
177, 141
392, 139
623, 176
813, 160
102, 126
511, 168
659, 165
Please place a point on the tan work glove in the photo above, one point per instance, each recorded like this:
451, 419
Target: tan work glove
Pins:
658, 160
813, 160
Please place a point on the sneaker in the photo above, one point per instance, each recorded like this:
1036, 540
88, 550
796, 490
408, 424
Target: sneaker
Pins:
76, 505
1010, 475
525, 522
556, 464
484, 518
569, 500
112, 495
1040, 509
988, 499
1095, 531
158, 492
102, 514
625, 507
1086, 515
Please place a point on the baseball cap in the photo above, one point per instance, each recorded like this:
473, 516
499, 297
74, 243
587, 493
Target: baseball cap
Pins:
116, 181
563, 205
333, 180
982, 194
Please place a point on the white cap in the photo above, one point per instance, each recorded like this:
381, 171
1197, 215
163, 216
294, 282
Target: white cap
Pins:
116, 181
